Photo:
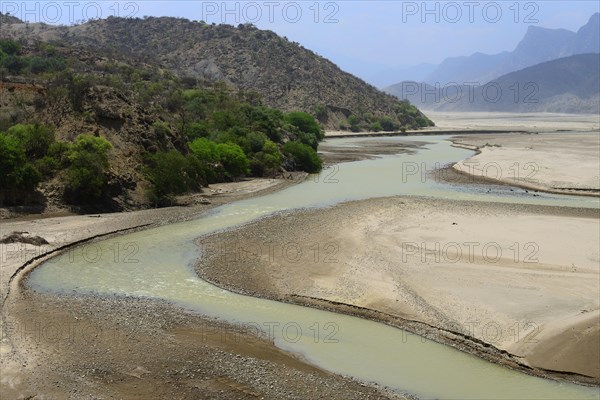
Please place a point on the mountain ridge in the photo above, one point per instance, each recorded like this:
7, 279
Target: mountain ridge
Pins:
532, 89
287, 75
538, 45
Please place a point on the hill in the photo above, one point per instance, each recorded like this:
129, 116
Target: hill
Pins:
175, 106
286, 75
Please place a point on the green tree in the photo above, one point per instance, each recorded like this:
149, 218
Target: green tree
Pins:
35, 139
305, 123
17, 175
269, 121
170, 173
88, 158
303, 157
206, 153
388, 125
233, 159
267, 161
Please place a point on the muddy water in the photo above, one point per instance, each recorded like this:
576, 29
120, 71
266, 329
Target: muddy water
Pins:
158, 263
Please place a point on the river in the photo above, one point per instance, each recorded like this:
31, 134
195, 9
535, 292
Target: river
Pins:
158, 263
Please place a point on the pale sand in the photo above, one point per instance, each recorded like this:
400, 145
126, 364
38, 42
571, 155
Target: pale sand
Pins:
562, 163
454, 122
541, 293
533, 122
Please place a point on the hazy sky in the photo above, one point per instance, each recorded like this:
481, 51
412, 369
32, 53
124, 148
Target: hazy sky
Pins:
362, 37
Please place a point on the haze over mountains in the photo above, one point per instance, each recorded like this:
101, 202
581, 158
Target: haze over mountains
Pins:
560, 82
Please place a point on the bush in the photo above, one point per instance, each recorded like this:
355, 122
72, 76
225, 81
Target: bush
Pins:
305, 123
16, 173
267, 120
267, 161
206, 154
197, 129
38, 65
388, 125
10, 47
205, 150
13, 64
304, 157
376, 127
423, 121
88, 158
35, 139
234, 161
256, 141
170, 173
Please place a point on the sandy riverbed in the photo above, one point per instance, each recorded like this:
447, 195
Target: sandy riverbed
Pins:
502, 274
558, 163
453, 122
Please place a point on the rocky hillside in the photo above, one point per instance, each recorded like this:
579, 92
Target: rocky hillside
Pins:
176, 106
286, 75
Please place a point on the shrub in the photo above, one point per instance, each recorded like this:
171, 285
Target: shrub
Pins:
267, 161
320, 112
376, 127
10, 47
13, 64
305, 123
38, 65
161, 129
307, 139
267, 120
197, 129
256, 141
16, 173
353, 120
304, 157
35, 139
206, 154
88, 158
170, 173
388, 125
423, 121
233, 159
205, 150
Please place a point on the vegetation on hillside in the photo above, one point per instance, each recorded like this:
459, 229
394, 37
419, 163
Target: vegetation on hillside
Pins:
407, 117
200, 133
101, 126
30, 154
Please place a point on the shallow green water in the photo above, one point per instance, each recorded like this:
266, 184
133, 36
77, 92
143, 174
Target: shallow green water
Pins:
157, 264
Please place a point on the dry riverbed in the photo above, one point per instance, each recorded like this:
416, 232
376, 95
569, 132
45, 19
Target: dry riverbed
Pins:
557, 163
470, 273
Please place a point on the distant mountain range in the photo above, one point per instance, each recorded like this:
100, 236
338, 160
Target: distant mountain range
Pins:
552, 70
538, 45
566, 85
